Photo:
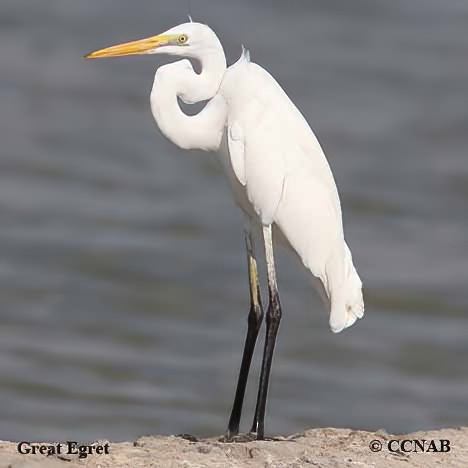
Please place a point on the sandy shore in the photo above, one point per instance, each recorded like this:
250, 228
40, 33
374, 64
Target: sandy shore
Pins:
315, 448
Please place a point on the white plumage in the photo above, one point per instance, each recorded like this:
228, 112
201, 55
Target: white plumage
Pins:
286, 178
274, 163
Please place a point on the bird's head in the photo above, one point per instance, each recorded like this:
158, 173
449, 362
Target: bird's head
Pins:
188, 40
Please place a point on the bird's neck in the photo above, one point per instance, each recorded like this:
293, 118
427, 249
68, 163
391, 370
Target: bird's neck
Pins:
203, 130
195, 87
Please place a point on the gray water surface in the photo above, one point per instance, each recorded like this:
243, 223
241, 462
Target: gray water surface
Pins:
123, 284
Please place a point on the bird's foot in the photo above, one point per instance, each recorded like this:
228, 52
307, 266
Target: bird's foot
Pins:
239, 438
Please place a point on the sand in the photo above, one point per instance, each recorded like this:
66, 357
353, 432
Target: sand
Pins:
340, 448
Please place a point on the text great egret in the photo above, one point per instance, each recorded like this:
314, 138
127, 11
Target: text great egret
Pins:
277, 171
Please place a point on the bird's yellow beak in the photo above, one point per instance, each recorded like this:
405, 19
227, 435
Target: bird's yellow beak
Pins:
142, 46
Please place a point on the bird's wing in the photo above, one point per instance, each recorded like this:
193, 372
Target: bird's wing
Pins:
287, 180
236, 151
267, 137
270, 142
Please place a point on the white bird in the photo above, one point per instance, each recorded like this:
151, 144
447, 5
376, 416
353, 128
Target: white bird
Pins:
277, 171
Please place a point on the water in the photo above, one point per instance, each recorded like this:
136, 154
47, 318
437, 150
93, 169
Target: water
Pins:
122, 271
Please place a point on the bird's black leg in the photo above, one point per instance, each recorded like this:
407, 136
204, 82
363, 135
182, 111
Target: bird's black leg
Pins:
254, 322
273, 319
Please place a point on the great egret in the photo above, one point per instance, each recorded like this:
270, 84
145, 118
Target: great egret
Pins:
277, 171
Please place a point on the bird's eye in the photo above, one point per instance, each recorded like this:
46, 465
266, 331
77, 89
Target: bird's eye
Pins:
182, 39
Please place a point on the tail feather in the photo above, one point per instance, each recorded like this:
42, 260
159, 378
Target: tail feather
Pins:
347, 304
344, 313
